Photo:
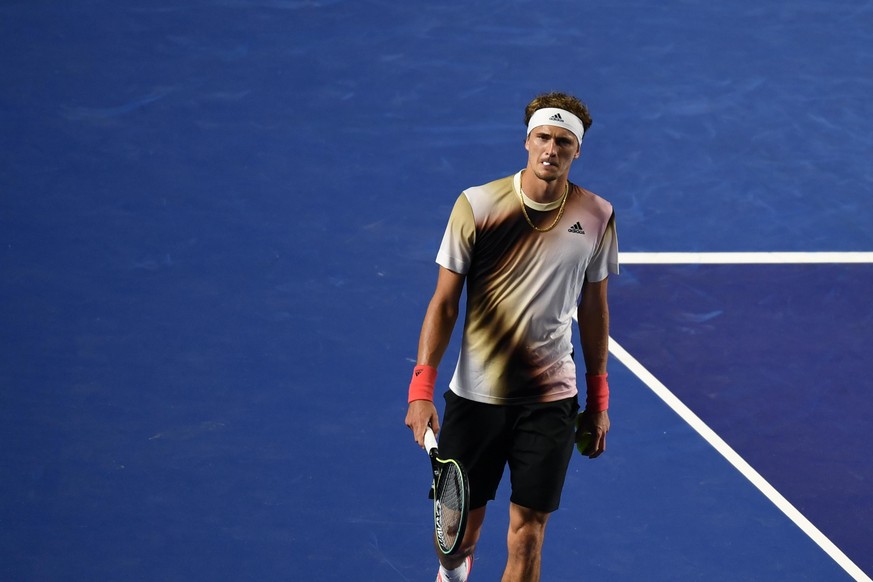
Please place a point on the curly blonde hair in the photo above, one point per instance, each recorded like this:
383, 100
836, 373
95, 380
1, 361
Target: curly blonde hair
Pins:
561, 101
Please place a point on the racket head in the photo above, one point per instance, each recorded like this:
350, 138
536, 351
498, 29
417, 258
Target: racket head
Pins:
451, 506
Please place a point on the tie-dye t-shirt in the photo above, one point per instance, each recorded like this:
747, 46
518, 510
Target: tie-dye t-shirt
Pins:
523, 288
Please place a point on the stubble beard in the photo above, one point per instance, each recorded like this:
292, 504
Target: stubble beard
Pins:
545, 177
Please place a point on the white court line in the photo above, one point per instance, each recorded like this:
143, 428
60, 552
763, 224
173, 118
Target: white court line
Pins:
742, 258
737, 461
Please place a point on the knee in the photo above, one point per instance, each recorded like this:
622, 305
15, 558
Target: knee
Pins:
526, 540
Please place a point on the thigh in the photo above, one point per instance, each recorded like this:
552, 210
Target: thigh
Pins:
542, 445
476, 435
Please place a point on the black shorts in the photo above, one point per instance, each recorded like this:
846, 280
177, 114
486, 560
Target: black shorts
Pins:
535, 440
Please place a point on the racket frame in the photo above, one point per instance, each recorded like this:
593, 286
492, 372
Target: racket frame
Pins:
437, 465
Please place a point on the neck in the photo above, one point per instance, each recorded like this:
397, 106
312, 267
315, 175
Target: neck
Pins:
543, 191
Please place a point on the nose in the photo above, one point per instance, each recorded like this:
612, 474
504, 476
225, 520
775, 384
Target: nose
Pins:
550, 148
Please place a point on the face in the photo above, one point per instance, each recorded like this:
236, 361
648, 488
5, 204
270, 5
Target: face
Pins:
551, 151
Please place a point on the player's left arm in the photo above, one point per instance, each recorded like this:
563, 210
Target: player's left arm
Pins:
593, 316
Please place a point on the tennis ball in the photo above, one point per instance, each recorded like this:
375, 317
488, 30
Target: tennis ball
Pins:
584, 439
584, 442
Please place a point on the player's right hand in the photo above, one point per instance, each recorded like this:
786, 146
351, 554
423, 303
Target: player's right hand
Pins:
420, 415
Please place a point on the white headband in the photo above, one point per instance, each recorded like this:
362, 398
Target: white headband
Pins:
558, 118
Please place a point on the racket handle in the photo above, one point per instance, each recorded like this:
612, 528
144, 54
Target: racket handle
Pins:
430, 442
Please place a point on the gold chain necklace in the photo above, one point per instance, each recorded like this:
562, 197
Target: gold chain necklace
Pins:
557, 218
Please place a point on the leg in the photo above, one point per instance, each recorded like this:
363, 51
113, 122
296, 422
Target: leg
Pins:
527, 529
471, 537
542, 444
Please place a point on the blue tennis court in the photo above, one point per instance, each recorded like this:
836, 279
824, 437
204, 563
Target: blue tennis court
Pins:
218, 225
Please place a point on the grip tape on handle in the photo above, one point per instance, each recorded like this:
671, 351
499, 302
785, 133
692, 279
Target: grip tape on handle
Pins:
430, 442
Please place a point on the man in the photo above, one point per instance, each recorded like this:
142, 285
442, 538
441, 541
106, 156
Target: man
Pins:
533, 250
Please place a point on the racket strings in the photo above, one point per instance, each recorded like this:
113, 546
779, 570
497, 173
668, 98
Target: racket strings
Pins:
451, 504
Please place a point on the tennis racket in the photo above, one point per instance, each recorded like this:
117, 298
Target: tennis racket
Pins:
451, 498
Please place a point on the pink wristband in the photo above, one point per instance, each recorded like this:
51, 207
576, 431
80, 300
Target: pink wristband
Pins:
422, 384
598, 392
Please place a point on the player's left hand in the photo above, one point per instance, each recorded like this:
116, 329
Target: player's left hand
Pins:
597, 423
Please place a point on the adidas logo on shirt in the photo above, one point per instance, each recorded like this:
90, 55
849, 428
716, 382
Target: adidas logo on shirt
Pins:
576, 229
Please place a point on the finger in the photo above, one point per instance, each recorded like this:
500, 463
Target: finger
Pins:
600, 446
417, 435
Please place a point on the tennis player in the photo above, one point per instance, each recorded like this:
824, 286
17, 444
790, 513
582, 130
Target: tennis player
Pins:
533, 250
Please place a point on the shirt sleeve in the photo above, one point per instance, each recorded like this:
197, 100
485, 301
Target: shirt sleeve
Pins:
605, 259
456, 249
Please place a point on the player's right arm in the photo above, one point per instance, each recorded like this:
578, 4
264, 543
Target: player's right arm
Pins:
436, 331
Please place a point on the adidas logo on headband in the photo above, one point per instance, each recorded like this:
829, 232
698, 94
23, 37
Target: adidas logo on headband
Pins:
557, 117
